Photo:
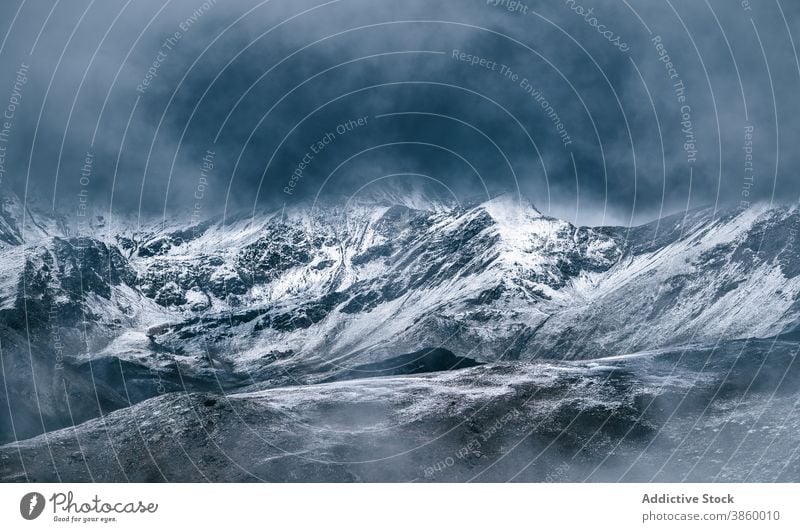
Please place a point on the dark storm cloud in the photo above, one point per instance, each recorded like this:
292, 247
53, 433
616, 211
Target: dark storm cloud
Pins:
259, 84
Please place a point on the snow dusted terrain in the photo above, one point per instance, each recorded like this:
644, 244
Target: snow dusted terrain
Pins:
689, 415
309, 343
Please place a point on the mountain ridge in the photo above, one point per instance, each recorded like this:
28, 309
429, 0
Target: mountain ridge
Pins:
298, 296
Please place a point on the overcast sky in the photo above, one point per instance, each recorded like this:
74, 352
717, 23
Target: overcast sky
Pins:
578, 111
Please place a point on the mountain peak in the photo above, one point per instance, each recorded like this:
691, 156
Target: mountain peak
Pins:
510, 207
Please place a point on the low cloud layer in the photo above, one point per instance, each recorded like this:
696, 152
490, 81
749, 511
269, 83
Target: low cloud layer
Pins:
598, 112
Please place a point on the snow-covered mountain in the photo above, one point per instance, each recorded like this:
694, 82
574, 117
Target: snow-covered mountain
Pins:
304, 294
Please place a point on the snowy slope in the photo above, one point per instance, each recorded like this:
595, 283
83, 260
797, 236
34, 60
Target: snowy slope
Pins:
495, 280
392, 272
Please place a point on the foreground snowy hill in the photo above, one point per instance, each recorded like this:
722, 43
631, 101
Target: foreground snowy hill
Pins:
721, 414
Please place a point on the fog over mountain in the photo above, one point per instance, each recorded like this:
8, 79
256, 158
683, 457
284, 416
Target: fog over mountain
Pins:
399, 241
259, 83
